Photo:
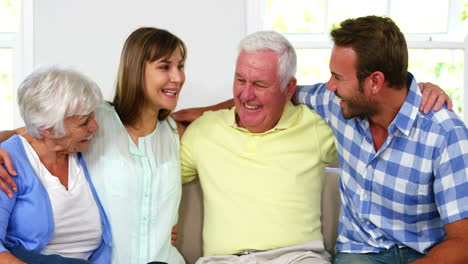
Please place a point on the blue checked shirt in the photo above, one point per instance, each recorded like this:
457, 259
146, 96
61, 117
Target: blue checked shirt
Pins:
403, 194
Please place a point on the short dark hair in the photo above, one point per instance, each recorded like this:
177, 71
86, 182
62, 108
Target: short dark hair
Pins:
145, 44
379, 45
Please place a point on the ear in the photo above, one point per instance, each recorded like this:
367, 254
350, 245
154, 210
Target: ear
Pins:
46, 133
375, 82
291, 88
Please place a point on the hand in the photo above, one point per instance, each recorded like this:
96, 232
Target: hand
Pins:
187, 116
433, 97
174, 236
5, 178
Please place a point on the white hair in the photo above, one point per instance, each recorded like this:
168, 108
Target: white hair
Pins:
272, 40
50, 94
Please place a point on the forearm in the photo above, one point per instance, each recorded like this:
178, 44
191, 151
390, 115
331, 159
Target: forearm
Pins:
8, 258
6, 134
450, 251
186, 116
223, 105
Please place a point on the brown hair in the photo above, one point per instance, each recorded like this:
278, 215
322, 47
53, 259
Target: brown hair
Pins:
379, 46
145, 44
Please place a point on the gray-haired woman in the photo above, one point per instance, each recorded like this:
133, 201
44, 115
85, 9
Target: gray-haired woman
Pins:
55, 216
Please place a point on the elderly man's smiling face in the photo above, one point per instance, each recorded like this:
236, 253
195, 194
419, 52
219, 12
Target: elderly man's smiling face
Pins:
258, 98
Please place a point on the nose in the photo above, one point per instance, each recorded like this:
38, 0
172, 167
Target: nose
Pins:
93, 126
177, 75
248, 93
331, 84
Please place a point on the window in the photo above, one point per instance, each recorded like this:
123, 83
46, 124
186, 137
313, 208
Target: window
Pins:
16, 60
9, 24
436, 32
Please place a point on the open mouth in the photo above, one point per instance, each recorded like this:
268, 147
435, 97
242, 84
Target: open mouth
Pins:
170, 92
252, 107
87, 138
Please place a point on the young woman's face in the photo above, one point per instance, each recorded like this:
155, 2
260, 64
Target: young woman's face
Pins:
163, 81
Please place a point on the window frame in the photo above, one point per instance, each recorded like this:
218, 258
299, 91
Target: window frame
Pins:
22, 45
255, 10
23, 54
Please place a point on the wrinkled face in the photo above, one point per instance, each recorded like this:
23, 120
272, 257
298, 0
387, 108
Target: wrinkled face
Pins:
163, 81
345, 84
80, 130
257, 96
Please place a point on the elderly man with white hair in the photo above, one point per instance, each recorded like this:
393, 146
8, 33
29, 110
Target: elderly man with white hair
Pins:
55, 216
260, 164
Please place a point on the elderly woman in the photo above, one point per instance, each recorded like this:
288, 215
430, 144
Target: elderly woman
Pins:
55, 216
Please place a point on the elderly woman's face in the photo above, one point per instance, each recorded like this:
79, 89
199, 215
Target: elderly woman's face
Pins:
80, 130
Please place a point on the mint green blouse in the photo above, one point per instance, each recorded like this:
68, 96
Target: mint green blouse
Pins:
139, 187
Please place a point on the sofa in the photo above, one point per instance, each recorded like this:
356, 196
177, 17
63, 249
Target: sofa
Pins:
189, 240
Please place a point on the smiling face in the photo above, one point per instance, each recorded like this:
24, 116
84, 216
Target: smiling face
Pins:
257, 96
163, 81
80, 129
345, 84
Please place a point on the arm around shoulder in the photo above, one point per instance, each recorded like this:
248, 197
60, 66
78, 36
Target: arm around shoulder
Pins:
186, 116
6, 134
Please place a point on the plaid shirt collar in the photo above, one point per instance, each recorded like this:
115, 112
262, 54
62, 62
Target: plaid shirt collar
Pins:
408, 113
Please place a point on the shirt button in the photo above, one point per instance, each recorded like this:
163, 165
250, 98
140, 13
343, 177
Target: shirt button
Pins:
380, 240
110, 244
367, 222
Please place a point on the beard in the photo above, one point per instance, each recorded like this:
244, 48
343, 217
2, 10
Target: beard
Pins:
358, 105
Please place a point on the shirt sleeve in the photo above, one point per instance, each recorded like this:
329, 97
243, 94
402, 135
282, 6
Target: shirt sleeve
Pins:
187, 148
327, 142
6, 207
317, 97
451, 176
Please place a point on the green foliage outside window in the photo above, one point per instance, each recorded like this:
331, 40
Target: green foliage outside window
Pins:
464, 13
9, 24
9, 15
442, 67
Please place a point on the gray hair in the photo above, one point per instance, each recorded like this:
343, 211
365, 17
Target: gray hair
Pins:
49, 95
272, 40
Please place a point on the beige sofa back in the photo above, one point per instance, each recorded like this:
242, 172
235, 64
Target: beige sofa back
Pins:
189, 241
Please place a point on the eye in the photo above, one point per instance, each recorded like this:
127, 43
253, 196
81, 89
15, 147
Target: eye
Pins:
260, 85
181, 67
242, 81
86, 122
88, 119
163, 67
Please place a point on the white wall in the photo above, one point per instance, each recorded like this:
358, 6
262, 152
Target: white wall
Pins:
89, 34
